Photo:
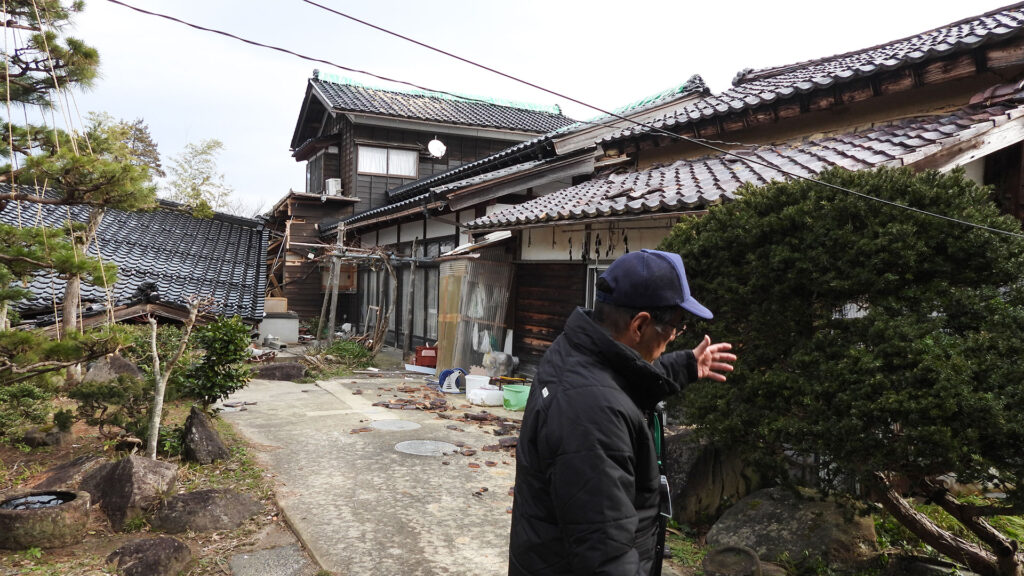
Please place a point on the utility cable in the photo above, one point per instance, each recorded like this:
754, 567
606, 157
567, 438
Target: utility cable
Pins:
559, 95
661, 131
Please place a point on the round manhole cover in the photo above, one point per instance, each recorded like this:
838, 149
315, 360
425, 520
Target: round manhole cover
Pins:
395, 425
426, 447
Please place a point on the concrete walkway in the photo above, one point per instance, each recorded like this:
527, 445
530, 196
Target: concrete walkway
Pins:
360, 506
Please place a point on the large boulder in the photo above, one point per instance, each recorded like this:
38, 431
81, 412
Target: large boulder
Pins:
205, 510
110, 367
135, 486
287, 371
160, 556
202, 443
704, 479
46, 436
86, 473
781, 524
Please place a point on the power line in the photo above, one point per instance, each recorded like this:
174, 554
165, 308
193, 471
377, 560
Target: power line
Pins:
651, 127
698, 141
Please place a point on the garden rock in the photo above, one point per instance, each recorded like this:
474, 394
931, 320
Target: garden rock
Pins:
110, 367
202, 443
46, 436
86, 473
738, 561
160, 556
205, 510
134, 486
777, 523
286, 371
704, 479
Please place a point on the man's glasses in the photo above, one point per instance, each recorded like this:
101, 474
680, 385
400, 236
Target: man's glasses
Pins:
677, 329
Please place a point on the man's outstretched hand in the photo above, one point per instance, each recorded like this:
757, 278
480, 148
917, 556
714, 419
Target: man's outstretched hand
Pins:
713, 359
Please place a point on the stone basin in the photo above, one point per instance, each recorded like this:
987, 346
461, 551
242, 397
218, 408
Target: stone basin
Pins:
43, 518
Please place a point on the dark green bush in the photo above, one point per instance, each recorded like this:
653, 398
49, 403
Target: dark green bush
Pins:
222, 368
64, 419
22, 404
115, 406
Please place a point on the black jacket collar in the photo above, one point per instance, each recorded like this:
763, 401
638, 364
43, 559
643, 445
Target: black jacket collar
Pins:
642, 381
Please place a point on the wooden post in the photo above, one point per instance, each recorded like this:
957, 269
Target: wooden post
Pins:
407, 338
323, 307
335, 278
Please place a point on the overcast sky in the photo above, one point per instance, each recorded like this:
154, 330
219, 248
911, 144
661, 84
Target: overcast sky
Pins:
189, 85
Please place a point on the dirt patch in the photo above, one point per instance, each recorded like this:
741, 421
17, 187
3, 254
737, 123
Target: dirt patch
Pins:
211, 551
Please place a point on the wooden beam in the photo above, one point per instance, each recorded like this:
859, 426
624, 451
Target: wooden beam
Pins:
994, 139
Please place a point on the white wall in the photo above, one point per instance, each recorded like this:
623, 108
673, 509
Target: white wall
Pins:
552, 243
412, 230
437, 228
975, 170
387, 236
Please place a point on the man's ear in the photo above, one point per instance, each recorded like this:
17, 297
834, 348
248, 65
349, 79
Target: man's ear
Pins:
637, 325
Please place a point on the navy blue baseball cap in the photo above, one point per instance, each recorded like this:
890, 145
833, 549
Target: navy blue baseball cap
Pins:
650, 279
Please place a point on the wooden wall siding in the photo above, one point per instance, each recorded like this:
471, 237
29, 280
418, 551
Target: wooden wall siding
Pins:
545, 296
348, 159
373, 189
302, 289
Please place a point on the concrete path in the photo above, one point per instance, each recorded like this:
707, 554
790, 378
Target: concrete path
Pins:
360, 506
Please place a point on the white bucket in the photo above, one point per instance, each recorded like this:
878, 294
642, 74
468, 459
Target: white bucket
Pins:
484, 395
474, 381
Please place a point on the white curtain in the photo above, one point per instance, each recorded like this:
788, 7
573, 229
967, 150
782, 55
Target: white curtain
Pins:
403, 162
373, 160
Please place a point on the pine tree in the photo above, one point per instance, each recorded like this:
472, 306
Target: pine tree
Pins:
884, 343
98, 166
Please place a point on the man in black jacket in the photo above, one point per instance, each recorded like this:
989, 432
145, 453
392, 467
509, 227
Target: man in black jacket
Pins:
588, 489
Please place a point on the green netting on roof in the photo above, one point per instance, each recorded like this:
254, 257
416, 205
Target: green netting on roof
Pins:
550, 109
694, 83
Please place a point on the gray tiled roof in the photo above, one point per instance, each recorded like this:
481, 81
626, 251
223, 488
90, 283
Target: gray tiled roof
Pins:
754, 88
222, 257
698, 183
533, 148
437, 108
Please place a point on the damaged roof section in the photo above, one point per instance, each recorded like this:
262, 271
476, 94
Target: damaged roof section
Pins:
696, 184
163, 256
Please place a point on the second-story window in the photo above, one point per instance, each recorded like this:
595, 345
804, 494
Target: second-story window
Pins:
388, 161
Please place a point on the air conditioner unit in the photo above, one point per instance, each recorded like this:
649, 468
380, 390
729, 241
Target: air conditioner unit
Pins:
333, 186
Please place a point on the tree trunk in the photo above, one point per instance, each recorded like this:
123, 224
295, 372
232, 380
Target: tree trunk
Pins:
161, 377
72, 304
158, 394
959, 550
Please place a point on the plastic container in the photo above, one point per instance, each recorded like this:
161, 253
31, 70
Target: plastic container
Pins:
474, 381
485, 395
515, 395
426, 356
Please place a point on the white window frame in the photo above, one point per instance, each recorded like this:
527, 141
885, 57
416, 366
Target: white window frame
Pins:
390, 163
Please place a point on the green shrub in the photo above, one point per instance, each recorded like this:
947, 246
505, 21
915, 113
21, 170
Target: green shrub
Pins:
64, 419
222, 368
22, 404
350, 354
115, 406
